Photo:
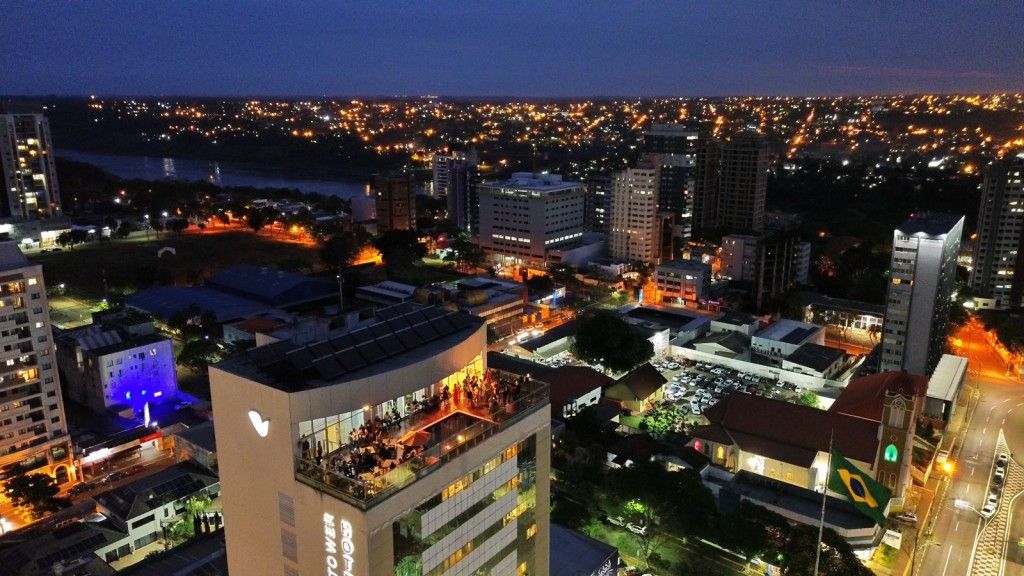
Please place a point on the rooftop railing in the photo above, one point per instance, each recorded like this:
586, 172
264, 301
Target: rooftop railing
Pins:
367, 493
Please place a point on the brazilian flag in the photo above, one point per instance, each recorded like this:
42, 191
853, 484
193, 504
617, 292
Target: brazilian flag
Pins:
868, 496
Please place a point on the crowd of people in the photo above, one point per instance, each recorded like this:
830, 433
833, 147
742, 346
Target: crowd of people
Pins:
376, 447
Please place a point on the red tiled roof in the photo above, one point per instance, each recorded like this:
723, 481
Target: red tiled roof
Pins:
570, 382
790, 432
713, 433
864, 396
258, 325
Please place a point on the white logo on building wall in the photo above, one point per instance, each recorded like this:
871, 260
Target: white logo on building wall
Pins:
338, 564
262, 426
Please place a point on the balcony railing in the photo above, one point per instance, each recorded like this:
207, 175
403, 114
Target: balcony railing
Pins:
367, 493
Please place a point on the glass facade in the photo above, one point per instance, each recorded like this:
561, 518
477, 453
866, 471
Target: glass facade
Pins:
483, 523
328, 434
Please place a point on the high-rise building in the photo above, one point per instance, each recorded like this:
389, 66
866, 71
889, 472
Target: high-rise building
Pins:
27, 169
924, 254
769, 264
742, 183
703, 221
396, 202
674, 148
997, 273
597, 204
636, 227
455, 178
33, 429
387, 449
524, 217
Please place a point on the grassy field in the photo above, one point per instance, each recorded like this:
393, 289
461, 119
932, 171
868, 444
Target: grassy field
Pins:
127, 266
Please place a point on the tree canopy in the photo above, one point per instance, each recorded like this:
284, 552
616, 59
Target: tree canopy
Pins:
400, 246
607, 339
37, 491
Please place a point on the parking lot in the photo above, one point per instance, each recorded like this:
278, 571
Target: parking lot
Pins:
694, 386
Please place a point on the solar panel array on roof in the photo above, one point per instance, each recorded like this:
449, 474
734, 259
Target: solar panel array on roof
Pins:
401, 331
72, 552
798, 335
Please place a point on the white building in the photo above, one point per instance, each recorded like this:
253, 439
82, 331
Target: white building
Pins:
783, 337
33, 429
995, 280
118, 360
924, 254
682, 282
27, 169
142, 511
446, 487
634, 230
739, 257
522, 218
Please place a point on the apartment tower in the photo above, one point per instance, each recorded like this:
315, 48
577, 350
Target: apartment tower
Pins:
396, 202
997, 274
924, 253
33, 429
27, 169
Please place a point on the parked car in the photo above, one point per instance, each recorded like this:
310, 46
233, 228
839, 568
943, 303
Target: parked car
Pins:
908, 517
988, 511
118, 475
135, 469
1002, 459
638, 529
616, 520
80, 488
999, 476
993, 499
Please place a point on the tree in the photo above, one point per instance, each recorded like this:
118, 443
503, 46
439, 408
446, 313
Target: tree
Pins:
256, 220
194, 323
37, 491
124, 229
607, 339
197, 355
562, 273
540, 286
663, 418
224, 218
64, 239
665, 502
399, 247
467, 254
808, 399
339, 250
177, 225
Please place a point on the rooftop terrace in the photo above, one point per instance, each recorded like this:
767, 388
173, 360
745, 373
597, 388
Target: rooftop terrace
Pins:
386, 456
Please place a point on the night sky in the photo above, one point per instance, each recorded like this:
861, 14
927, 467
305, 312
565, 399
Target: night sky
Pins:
521, 48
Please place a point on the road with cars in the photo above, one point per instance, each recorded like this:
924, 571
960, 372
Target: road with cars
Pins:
975, 510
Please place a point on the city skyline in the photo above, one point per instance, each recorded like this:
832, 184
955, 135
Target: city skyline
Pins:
797, 48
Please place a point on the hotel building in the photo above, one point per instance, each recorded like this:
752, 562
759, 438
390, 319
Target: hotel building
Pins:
524, 218
33, 429
924, 253
364, 453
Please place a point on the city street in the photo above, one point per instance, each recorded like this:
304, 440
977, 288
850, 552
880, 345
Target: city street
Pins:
960, 543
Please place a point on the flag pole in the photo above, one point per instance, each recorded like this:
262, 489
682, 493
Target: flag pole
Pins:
824, 498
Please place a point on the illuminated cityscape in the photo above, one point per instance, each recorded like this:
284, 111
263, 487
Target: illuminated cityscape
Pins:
511, 289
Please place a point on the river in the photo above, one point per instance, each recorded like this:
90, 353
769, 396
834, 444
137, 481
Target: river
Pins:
152, 168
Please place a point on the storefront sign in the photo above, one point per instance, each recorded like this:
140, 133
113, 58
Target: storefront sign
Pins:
338, 538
